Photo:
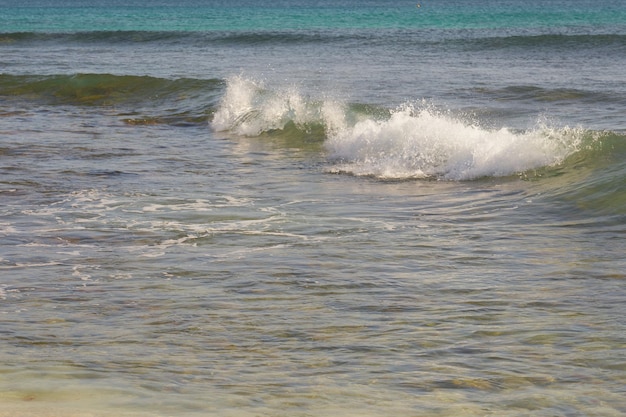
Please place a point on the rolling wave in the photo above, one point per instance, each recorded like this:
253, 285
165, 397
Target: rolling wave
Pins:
110, 89
577, 170
143, 99
589, 184
99, 89
413, 141
423, 143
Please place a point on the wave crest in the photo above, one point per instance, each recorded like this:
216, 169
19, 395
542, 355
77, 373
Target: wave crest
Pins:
410, 142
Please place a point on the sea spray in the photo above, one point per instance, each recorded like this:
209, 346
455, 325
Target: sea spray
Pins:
248, 108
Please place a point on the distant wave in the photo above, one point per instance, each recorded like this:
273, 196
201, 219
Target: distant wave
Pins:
462, 39
542, 41
187, 37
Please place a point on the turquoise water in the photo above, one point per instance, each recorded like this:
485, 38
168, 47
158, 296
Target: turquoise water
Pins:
312, 208
242, 15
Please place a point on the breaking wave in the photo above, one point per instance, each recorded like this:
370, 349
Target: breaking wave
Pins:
412, 141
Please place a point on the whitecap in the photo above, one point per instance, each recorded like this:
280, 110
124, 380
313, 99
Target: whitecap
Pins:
423, 143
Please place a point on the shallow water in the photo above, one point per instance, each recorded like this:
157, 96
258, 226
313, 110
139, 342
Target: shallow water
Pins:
313, 221
266, 283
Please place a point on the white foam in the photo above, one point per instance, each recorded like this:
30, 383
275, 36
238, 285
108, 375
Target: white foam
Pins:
7, 229
30, 265
423, 143
78, 272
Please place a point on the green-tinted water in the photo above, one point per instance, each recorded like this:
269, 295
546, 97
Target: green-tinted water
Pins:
312, 208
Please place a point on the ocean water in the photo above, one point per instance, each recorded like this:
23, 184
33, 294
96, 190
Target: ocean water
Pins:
313, 208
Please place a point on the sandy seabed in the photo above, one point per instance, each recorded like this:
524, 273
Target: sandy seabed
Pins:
47, 410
